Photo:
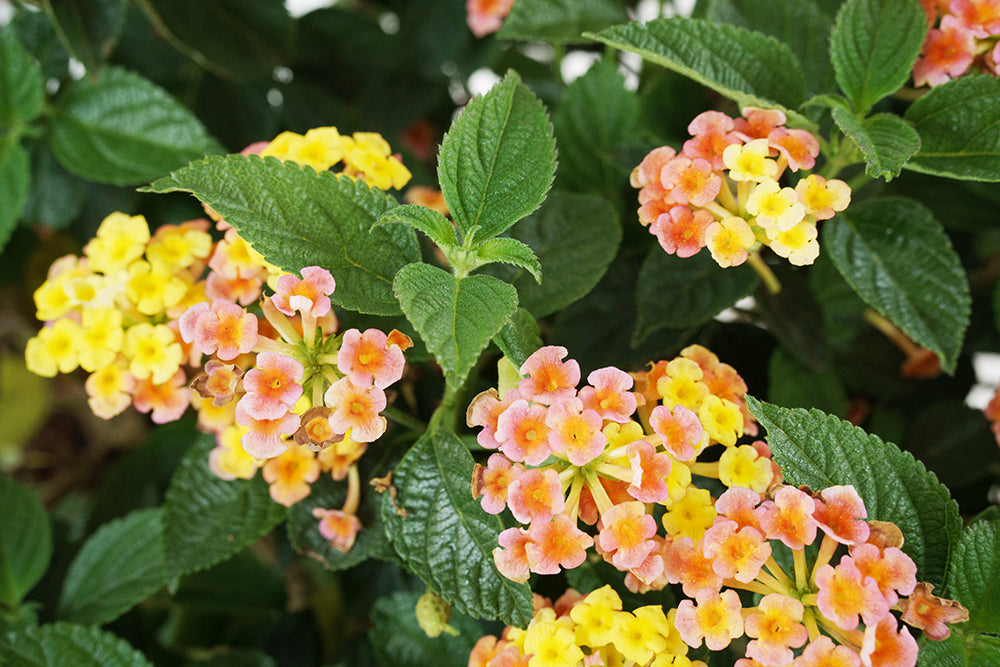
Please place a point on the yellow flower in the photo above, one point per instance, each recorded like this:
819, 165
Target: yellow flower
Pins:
109, 390
101, 338
749, 162
743, 466
722, 419
642, 634
594, 617
152, 351
152, 288
120, 240
53, 350
691, 515
553, 645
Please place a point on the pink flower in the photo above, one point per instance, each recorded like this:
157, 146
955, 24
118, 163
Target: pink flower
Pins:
711, 132
947, 52
882, 646
307, 295
844, 594
368, 357
522, 432
690, 181
556, 543
223, 328
273, 386
510, 557
535, 495
549, 377
841, 514
609, 394
265, 440
649, 472
486, 16
493, 481
680, 429
626, 534
356, 408
338, 528
575, 432
681, 231
717, 619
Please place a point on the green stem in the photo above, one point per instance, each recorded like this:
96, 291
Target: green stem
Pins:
764, 271
446, 415
404, 419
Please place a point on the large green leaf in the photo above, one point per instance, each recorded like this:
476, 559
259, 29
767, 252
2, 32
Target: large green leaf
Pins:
820, 450
560, 21
895, 255
22, 90
961, 650
748, 67
89, 30
873, 47
975, 575
65, 644
25, 541
55, 196
887, 141
398, 639
123, 129
959, 129
121, 565
207, 519
14, 178
575, 237
679, 292
498, 159
446, 538
299, 218
456, 317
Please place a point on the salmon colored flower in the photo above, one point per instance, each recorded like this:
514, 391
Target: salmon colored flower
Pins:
690, 181
789, 518
926, 611
776, 629
356, 408
685, 563
840, 513
493, 481
737, 553
535, 495
523, 433
574, 431
650, 471
758, 123
167, 401
682, 231
549, 377
219, 382
947, 53
290, 475
511, 557
309, 294
711, 133
679, 428
608, 394
883, 646
625, 534
648, 171
739, 504
223, 328
798, 147
556, 543
822, 652
844, 595
338, 528
893, 571
486, 16
484, 410
369, 357
265, 437
717, 619
272, 386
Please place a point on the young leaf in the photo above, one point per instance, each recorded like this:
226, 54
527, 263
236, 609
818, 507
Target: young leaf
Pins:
123, 129
519, 337
974, 574
22, 90
398, 639
510, 251
873, 47
118, 567
560, 21
89, 30
498, 159
446, 538
25, 541
61, 644
820, 450
748, 67
456, 317
14, 178
207, 519
957, 123
887, 141
675, 292
895, 255
434, 225
296, 218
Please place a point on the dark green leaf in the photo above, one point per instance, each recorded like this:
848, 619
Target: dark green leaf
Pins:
959, 129
22, 90
446, 538
123, 129
975, 575
519, 337
207, 519
679, 292
886, 141
792, 385
456, 317
510, 251
820, 450
497, 161
121, 565
297, 218
236, 658
65, 644
89, 30
748, 67
399, 641
560, 21
960, 650
873, 47
437, 227
14, 177
897, 258
25, 541
55, 196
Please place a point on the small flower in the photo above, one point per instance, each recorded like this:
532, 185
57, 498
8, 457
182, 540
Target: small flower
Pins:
356, 408
308, 295
926, 611
728, 240
680, 430
369, 357
843, 595
776, 629
223, 328
535, 495
750, 162
548, 377
625, 534
556, 543
743, 466
272, 386
290, 475
682, 231
717, 619
338, 528
486, 16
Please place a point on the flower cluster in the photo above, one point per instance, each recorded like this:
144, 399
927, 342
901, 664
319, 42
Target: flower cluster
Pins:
607, 455
592, 628
963, 35
722, 190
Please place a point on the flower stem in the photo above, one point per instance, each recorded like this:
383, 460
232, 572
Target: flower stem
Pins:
764, 271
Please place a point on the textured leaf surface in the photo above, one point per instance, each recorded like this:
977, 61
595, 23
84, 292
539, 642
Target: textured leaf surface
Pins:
22, 89
873, 47
510, 251
745, 66
207, 519
519, 337
25, 541
886, 141
820, 450
64, 644
14, 181
456, 317
123, 129
89, 30
959, 129
975, 575
560, 21
960, 650
118, 567
437, 227
447, 539
895, 255
398, 639
296, 218
678, 292
55, 196
498, 159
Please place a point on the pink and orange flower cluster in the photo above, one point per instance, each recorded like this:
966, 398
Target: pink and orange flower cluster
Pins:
963, 35
722, 190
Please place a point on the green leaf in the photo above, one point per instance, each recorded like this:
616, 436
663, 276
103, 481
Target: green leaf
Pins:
820, 450
25, 541
14, 179
873, 47
63, 644
297, 218
237, 658
121, 565
519, 337
886, 141
498, 159
123, 129
510, 251
560, 21
22, 90
960, 650
434, 225
975, 575
575, 237
748, 67
959, 129
679, 292
792, 385
89, 30
398, 639
596, 120
446, 538
897, 258
207, 519
55, 196
456, 317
